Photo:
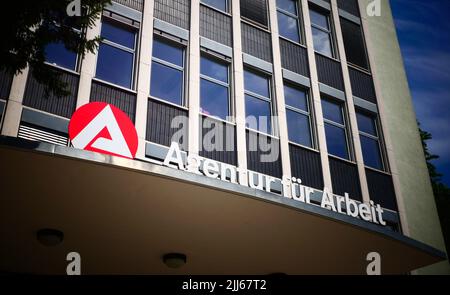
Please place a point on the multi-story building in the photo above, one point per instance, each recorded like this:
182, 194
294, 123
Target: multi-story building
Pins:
329, 84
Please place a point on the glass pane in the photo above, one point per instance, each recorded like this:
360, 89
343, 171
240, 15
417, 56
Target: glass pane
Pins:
322, 42
298, 128
56, 53
214, 99
256, 83
366, 124
166, 83
219, 4
288, 5
168, 52
288, 27
214, 69
260, 113
319, 19
118, 34
114, 65
295, 98
336, 141
371, 153
332, 111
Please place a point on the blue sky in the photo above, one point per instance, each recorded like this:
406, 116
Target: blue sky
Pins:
423, 28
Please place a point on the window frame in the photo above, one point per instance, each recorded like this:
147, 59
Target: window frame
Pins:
308, 114
268, 76
345, 126
78, 61
207, 55
366, 52
377, 138
182, 69
329, 31
298, 20
134, 51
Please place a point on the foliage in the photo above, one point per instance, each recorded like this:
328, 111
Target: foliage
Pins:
28, 26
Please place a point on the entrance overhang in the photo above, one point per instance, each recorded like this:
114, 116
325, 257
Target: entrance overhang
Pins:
122, 216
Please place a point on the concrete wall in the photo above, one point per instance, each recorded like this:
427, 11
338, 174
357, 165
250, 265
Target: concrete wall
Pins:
416, 201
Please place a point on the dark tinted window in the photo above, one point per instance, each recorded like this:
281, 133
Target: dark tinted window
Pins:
57, 54
114, 65
335, 129
168, 52
258, 103
166, 83
116, 55
214, 88
118, 34
321, 31
167, 76
288, 21
355, 49
370, 140
255, 10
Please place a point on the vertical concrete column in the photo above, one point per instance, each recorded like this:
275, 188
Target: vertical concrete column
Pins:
13, 110
279, 91
316, 97
350, 104
143, 82
238, 75
382, 114
194, 78
88, 67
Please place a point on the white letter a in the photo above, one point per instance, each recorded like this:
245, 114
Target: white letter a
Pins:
74, 8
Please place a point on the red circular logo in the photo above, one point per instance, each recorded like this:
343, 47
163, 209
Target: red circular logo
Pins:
103, 128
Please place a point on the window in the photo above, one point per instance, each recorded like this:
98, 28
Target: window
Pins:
298, 115
56, 53
370, 140
335, 129
321, 31
214, 88
355, 48
258, 103
219, 4
254, 10
167, 77
116, 55
288, 21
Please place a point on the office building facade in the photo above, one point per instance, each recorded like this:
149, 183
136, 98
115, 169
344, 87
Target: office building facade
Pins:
279, 94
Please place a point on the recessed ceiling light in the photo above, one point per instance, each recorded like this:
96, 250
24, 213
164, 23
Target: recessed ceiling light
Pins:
174, 260
50, 237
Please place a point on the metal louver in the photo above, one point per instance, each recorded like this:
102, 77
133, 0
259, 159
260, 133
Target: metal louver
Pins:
36, 133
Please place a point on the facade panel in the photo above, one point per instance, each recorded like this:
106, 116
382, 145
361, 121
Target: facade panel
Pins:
345, 179
175, 12
218, 141
257, 149
256, 42
5, 84
362, 85
36, 97
135, 4
329, 72
294, 57
159, 123
120, 98
381, 189
306, 165
215, 26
